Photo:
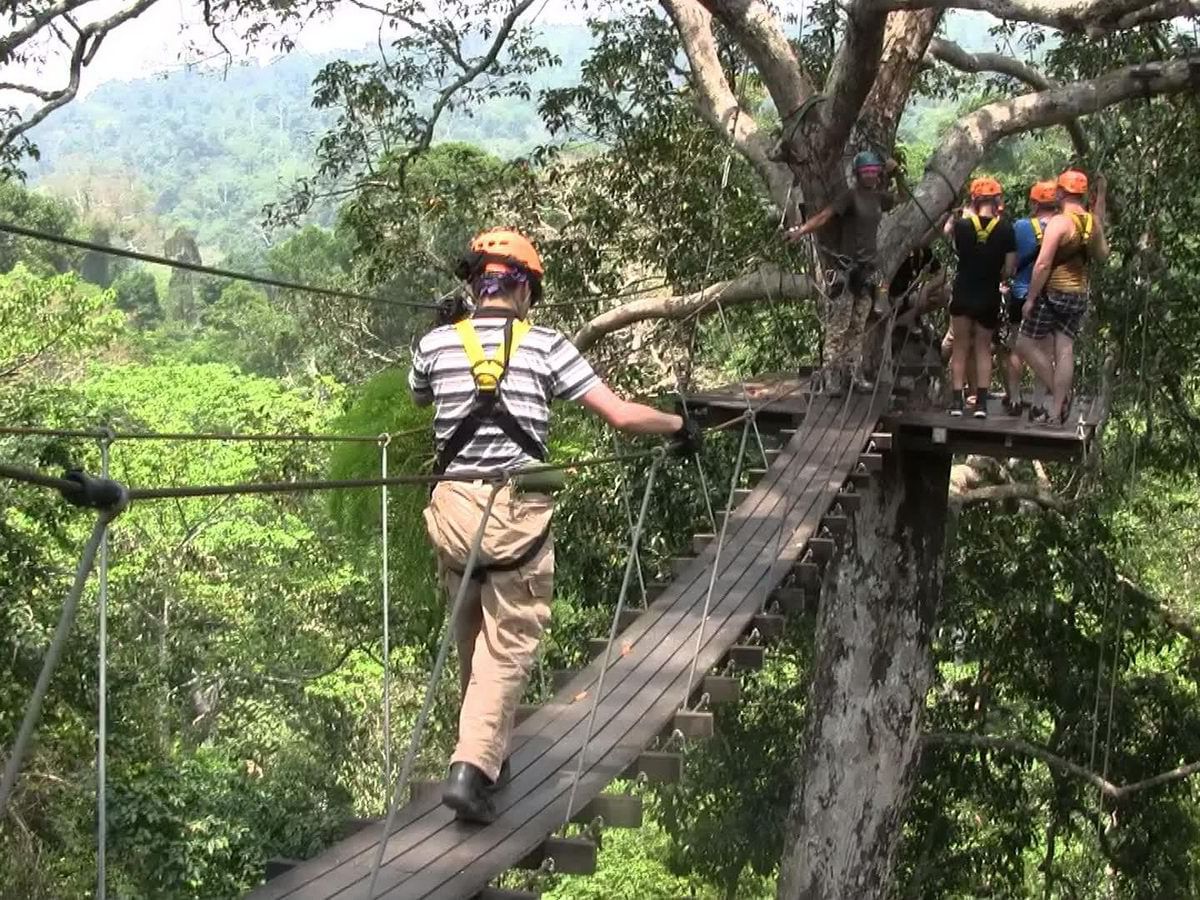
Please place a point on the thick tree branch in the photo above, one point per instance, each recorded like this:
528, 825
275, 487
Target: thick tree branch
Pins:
765, 283
993, 493
954, 55
758, 31
1114, 792
965, 144
1091, 17
10, 42
852, 74
715, 101
904, 43
1175, 619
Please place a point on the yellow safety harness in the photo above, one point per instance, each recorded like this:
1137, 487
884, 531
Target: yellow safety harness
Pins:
983, 232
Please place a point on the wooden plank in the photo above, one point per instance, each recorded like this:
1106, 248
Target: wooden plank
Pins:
745, 657
560, 678
792, 600
679, 564
740, 495
998, 446
822, 548
626, 687
524, 711
491, 893
277, 865
838, 524
658, 767
721, 689
419, 791
627, 618
616, 810
655, 589
808, 576
562, 856
596, 646
700, 542
872, 462
882, 440
695, 726
850, 500
768, 625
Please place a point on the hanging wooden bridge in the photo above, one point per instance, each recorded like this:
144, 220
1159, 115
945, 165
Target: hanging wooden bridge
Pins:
781, 536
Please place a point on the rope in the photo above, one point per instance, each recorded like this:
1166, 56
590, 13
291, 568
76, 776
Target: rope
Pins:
634, 541
35, 234
101, 433
625, 501
431, 688
712, 577
384, 441
66, 621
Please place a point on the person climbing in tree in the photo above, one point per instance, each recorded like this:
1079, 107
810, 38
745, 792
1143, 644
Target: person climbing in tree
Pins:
491, 378
853, 222
1043, 205
986, 251
1058, 291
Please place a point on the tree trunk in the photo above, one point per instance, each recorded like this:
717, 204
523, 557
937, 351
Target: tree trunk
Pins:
872, 671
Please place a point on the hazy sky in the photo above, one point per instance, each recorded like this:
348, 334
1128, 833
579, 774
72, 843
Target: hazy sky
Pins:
171, 33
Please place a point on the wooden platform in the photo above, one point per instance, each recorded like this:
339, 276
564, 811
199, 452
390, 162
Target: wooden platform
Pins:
915, 423
431, 856
1000, 434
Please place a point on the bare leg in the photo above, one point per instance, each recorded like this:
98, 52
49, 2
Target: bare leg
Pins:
1064, 370
1037, 353
960, 327
1013, 366
983, 358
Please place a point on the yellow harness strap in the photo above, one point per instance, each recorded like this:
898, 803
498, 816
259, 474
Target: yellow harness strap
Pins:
488, 370
1083, 225
981, 233
1037, 228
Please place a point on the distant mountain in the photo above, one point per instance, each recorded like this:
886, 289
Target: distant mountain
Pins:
209, 149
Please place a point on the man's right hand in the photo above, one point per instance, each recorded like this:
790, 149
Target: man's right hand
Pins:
794, 234
689, 439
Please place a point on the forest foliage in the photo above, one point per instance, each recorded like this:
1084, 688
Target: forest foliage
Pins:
245, 649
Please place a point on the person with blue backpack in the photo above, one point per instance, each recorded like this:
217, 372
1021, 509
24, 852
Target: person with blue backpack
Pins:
1043, 206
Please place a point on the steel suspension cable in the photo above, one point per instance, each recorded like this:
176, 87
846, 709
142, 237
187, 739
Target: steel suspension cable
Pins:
102, 697
626, 502
53, 653
431, 688
716, 563
634, 541
200, 269
385, 586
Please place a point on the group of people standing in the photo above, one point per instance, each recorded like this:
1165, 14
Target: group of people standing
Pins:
1020, 284
1027, 281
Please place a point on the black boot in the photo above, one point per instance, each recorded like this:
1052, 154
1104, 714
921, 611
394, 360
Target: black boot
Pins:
502, 779
468, 793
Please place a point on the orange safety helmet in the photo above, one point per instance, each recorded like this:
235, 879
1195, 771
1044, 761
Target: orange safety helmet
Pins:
1073, 181
985, 187
1044, 193
500, 251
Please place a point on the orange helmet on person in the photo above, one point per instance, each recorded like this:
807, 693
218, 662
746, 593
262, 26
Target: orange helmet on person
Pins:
505, 256
985, 188
1044, 193
1073, 181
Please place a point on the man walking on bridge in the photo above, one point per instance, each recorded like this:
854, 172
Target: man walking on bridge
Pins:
1058, 291
491, 379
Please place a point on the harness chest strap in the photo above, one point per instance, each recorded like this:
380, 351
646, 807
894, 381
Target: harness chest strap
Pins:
1083, 227
983, 232
488, 373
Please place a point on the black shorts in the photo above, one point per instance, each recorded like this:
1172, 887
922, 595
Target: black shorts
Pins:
1013, 309
984, 311
1056, 311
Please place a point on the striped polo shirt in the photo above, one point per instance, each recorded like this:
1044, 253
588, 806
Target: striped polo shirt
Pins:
545, 367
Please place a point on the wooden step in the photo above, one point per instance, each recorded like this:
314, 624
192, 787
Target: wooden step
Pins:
721, 689
596, 646
494, 893
822, 548
882, 441
837, 524
769, 625
700, 541
679, 564
617, 811
560, 677
872, 462
572, 856
277, 865
849, 500
524, 711
792, 600
739, 495
755, 475
694, 726
746, 657
658, 766
772, 455
808, 575
423, 791
861, 479
654, 589
628, 617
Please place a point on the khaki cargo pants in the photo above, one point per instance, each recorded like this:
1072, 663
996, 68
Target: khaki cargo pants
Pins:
503, 615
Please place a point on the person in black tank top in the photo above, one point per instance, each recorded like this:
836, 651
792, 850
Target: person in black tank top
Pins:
987, 254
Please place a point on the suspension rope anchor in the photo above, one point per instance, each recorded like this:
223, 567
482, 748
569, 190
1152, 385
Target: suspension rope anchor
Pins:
90, 492
385, 439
